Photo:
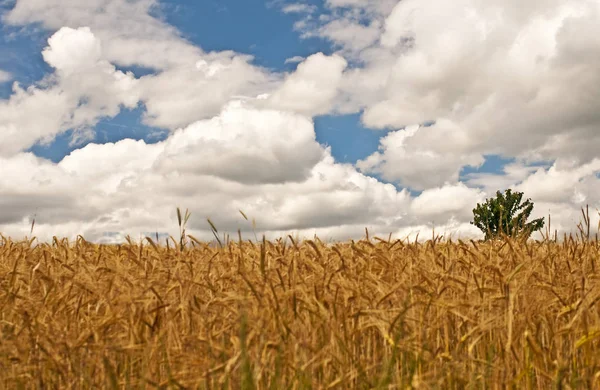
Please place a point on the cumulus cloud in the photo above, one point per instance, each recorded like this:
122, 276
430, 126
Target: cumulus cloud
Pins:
245, 146
110, 164
404, 159
183, 94
83, 89
131, 34
29, 184
500, 73
312, 88
503, 77
72, 50
571, 183
188, 84
345, 25
349, 33
452, 229
450, 201
290, 184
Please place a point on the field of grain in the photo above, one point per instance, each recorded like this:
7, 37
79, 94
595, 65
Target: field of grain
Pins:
368, 314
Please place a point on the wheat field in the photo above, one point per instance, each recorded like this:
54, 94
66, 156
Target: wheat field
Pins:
369, 314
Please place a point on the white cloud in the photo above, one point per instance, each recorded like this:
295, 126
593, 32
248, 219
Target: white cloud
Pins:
349, 33
72, 50
499, 78
5, 76
110, 164
245, 146
198, 90
453, 229
298, 8
312, 88
82, 135
405, 159
345, 26
372, 7
189, 84
567, 184
287, 181
83, 89
294, 59
485, 67
130, 34
449, 201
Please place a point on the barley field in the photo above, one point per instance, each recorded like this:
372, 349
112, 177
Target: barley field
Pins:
370, 314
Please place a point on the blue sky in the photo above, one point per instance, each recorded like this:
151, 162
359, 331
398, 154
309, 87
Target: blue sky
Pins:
482, 135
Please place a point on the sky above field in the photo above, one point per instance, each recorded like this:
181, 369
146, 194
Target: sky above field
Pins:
311, 117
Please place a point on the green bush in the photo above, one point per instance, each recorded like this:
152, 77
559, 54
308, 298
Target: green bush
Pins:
506, 214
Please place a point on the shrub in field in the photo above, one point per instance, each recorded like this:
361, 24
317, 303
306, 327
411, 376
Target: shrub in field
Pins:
506, 214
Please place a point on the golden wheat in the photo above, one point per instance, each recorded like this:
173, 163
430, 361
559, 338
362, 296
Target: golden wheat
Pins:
366, 314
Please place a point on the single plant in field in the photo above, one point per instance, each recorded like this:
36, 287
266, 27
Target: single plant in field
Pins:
506, 214
182, 226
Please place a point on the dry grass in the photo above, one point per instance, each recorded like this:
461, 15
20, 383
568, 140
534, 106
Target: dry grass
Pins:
367, 314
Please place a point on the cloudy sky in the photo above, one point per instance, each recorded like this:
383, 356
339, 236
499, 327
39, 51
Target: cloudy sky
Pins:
315, 117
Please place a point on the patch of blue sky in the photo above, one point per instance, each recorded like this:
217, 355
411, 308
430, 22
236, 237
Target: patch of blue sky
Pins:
350, 141
21, 56
6, 89
414, 193
127, 124
255, 27
541, 163
57, 149
493, 164
138, 71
